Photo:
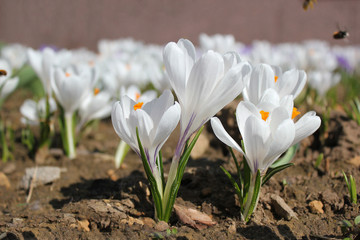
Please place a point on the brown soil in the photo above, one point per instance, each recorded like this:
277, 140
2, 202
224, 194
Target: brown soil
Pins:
93, 200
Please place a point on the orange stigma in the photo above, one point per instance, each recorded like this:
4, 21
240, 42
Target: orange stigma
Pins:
67, 74
264, 115
96, 91
128, 66
137, 96
295, 112
276, 78
138, 105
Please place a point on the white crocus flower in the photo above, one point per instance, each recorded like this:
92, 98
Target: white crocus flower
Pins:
135, 94
268, 129
7, 84
96, 105
33, 112
155, 122
322, 81
203, 87
264, 77
43, 63
15, 54
70, 91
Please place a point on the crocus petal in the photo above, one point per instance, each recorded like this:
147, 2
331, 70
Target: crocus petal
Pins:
291, 83
178, 61
157, 107
222, 135
167, 124
203, 78
243, 111
228, 89
256, 142
262, 78
306, 126
282, 139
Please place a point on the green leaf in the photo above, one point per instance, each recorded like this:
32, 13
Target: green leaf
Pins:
160, 162
353, 192
234, 183
255, 196
236, 163
246, 179
272, 171
289, 155
319, 160
153, 186
357, 220
346, 223
346, 180
179, 174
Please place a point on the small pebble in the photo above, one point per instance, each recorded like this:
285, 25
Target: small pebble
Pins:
281, 208
316, 206
161, 226
4, 181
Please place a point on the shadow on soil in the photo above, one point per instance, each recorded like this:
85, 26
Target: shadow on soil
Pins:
106, 189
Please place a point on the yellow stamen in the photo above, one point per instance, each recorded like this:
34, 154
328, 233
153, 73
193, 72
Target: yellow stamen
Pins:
91, 63
67, 74
264, 115
96, 91
276, 78
138, 105
128, 66
137, 96
295, 112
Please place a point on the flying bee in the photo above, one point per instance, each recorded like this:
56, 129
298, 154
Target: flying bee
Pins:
340, 34
3, 72
308, 3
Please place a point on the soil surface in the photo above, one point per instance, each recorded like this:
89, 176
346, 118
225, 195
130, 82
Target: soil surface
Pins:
93, 200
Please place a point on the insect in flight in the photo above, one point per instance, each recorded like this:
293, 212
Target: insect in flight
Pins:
340, 34
3, 72
308, 3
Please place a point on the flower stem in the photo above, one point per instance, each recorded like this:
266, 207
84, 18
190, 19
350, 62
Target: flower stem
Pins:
121, 151
70, 135
252, 198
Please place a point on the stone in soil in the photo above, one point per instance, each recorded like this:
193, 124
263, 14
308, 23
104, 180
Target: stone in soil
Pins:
316, 206
42, 176
281, 208
4, 181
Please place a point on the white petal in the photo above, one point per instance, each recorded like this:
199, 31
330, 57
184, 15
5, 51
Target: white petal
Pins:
262, 78
167, 124
291, 83
282, 139
243, 111
256, 142
306, 126
222, 135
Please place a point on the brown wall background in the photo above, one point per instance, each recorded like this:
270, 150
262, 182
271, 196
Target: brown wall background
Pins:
78, 23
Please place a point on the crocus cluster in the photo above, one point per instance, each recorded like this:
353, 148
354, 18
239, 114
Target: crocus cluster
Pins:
203, 86
267, 121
